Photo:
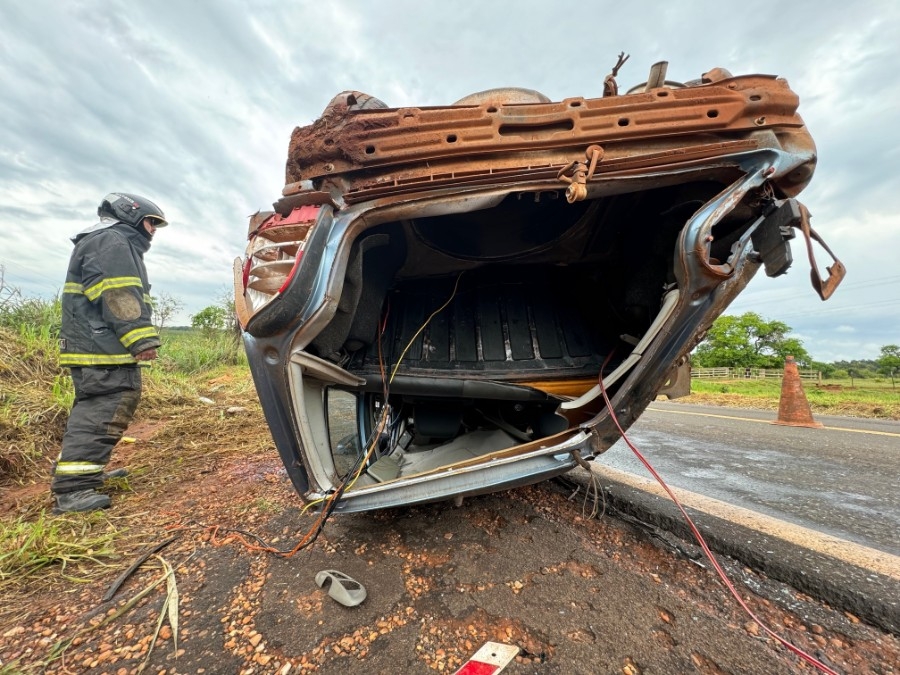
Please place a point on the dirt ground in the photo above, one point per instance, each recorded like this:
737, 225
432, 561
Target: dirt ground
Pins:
522, 567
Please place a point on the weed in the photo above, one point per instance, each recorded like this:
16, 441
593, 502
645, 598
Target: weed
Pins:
27, 547
34, 400
831, 397
16, 668
194, 351
268, 506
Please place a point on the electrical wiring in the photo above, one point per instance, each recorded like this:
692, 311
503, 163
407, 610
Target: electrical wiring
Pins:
808, 658
422, 327
329, 502
594, 491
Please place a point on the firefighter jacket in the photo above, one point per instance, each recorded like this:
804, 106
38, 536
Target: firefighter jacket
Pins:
106, 301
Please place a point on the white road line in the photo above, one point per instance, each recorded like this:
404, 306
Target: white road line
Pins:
855, 554
751, 419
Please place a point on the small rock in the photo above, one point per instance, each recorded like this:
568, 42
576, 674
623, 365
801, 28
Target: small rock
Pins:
234, 410
206, 401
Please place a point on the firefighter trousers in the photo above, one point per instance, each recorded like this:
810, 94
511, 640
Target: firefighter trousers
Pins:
105, 401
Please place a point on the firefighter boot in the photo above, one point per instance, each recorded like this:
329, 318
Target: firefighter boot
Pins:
82, 500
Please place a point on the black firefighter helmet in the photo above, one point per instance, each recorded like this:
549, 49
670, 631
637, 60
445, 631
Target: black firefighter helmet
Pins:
130, 209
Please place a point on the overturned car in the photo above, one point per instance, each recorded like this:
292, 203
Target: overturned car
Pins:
449, 301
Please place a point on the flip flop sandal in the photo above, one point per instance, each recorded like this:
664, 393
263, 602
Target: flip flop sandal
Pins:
343, 589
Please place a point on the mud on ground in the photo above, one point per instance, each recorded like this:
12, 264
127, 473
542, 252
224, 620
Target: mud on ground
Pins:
523, 567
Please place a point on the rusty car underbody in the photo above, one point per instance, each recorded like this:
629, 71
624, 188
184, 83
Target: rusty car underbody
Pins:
448, 301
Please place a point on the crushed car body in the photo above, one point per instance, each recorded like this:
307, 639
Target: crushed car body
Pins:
449, 301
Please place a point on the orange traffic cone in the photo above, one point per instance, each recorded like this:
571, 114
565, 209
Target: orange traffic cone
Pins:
793, 408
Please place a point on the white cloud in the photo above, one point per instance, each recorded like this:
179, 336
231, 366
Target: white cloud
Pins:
192, 105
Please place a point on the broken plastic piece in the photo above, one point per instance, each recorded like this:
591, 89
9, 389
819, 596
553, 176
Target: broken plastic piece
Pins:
492, 658
825, 288
343, 589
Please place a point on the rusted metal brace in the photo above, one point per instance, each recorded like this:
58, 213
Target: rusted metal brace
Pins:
836, 272
577, 174
580, 461
610, 87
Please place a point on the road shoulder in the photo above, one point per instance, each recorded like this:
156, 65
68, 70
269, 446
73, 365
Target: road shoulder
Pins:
846, 576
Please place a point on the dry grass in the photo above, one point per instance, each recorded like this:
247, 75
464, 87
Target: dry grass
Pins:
35, 396
198, 422
74, 543
825, 399
191, 423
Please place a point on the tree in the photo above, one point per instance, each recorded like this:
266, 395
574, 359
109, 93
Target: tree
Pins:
749, 341
861, 368
889, 361
164, 308
226, 302
828, 370
210, 319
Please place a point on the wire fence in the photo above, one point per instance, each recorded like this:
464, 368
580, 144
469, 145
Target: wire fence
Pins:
750, 374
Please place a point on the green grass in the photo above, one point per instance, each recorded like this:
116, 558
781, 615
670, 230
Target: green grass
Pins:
867, 398
754, 388
15, 668
864, 384
29, 546
35, 396
194, 351
266, 506
17, 312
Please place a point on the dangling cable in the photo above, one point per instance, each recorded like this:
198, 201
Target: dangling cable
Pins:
422, 327
329, 502
702, 542
593, 492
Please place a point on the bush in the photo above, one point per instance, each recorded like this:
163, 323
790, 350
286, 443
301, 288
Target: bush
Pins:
18, 313
193, 351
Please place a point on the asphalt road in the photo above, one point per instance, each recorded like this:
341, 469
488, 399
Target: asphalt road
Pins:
840, 480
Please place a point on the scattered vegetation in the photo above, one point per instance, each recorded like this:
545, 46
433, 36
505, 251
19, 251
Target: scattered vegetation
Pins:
36, 395
196, 351
749, 341
28, 546
877, 399
189, 394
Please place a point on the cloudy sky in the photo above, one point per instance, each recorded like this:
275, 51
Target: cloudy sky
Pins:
192, 103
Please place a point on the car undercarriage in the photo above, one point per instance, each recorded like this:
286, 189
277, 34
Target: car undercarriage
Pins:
448, 301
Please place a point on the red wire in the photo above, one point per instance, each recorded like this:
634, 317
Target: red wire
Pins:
700, 540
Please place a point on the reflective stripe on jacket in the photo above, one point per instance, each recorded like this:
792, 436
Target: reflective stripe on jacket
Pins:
106, 314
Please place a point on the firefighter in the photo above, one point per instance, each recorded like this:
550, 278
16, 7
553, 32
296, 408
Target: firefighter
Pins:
106, 334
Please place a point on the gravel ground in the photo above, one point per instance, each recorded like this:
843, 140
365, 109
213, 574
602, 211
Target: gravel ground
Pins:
522, 567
